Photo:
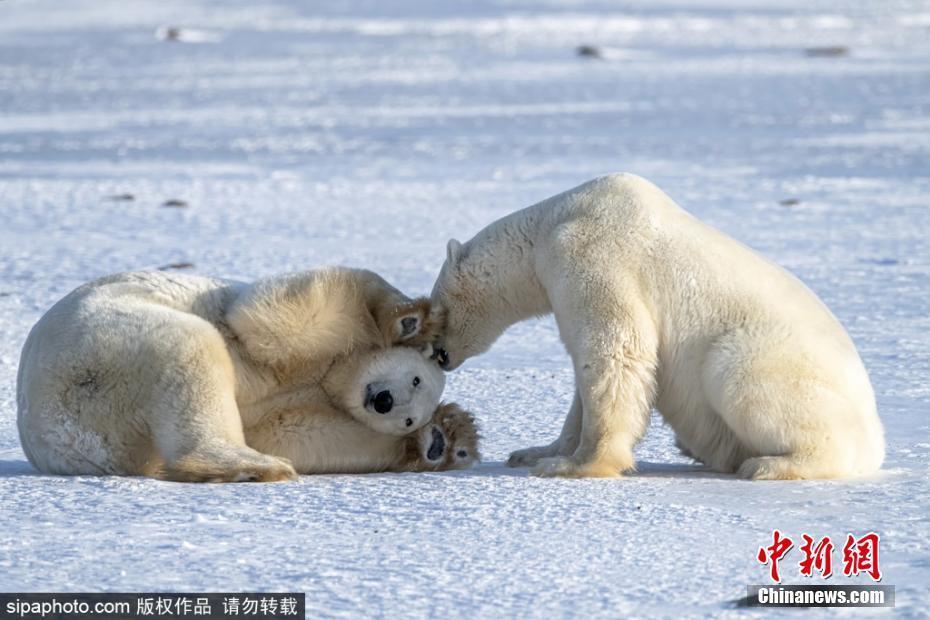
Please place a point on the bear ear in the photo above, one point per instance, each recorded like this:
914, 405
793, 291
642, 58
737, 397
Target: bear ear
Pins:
453, 251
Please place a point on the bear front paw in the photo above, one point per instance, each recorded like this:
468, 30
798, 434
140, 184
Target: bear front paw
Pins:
568, 467
530, 456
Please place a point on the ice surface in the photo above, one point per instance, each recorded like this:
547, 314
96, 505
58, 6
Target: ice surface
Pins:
367, 133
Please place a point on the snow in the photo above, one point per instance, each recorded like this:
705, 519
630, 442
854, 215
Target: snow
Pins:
368, 133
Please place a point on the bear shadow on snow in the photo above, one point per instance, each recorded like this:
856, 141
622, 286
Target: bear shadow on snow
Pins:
487, 469
18, 467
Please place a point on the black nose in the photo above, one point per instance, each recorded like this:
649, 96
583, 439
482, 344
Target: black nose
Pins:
441, 357
383, 402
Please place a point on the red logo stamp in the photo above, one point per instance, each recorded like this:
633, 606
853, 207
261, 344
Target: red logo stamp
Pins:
860, 555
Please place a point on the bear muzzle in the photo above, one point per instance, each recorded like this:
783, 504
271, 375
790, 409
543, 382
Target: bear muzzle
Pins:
382, 401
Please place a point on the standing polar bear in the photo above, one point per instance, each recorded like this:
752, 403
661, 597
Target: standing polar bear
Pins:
191, 378
655, 308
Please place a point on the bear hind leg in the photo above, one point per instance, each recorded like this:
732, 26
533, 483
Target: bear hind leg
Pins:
791, 424
226, 463
195, 423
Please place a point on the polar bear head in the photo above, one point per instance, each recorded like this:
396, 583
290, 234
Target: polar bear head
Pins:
471, 317
393, 391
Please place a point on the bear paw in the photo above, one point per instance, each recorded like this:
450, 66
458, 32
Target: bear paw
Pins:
568, 467
530, 456
238, 464
276, 472
768, 468
448, 441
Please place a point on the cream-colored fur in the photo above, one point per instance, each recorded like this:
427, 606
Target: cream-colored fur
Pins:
325, 440
174, 376
655, 308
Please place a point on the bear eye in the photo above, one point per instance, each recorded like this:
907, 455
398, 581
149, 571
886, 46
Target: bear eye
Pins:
416, 381
461, 454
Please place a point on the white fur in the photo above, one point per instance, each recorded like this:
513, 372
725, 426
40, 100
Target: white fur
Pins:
177, 376
746, 364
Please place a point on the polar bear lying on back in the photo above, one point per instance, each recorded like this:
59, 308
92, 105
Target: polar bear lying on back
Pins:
190, 378
749, 368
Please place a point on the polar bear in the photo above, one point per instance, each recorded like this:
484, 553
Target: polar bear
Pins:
170, 375
655, 308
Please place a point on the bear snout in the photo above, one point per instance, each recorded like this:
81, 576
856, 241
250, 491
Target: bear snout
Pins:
383, 401
379, 398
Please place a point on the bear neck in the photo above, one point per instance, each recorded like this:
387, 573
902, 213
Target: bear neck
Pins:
504, 253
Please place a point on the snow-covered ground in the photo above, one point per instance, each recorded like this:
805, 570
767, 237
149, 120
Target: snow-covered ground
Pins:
367, 133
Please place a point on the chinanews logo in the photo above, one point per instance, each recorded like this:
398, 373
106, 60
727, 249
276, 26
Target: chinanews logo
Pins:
860, 556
